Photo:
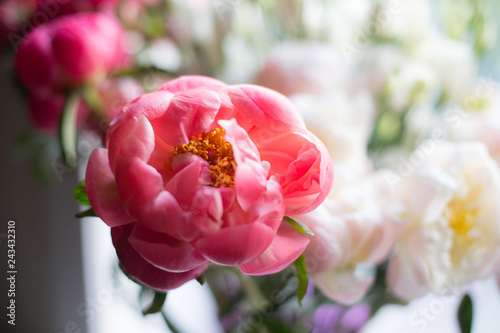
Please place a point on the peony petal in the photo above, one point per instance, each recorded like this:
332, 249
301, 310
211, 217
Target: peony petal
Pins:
101, 190
189, 82
164, 252
206, 210
304, 168
134, 138
345, 286
152, 106
140, 188
190, 113
189, 171
408, 274
329, 245
139, 270
250, 175
287, 246
264, 109
235, 245
269, 208
326, 175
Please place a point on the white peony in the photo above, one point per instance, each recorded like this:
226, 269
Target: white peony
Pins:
453, 210
355, 228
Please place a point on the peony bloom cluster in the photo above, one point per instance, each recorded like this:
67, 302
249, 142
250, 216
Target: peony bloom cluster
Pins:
66, 54
452, 236
200, 172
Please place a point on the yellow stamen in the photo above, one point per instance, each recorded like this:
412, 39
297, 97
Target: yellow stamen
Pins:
462, 214
214, 149
461, 211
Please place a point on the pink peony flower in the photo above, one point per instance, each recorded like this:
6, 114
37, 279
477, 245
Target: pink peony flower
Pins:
70, 51
199, 172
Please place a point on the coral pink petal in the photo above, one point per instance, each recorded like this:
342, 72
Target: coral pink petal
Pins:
304, 167
141, 271
235, 245
135, 138
282, 150
101, 190
152, 106
140, 188
206, 210
250, 176
164, 251
286, 247
190, 113
189, 171
264, 108
189, 82
270, 206
326, 176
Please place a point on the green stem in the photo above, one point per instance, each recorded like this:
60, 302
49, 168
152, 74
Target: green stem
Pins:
256, 298
67, 130
254, 294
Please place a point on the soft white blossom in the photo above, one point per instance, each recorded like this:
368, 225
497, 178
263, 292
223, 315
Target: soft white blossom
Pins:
453, 210
355, 228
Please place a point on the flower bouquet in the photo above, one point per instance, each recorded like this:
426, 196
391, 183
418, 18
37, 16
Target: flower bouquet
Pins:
217, 128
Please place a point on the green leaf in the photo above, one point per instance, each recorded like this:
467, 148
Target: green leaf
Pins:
201, 279
157, 303
464, 314
301, 227
81, 195
301, 270
86, 213
67, 130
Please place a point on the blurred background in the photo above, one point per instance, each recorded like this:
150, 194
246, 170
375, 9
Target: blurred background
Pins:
381, 73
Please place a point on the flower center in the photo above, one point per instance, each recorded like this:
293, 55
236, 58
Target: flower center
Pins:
214, 149
461, 212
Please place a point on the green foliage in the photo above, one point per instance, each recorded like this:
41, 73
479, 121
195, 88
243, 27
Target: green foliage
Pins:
301, 269
302, 228
464, 314
156, 304
81, 195
86, 213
